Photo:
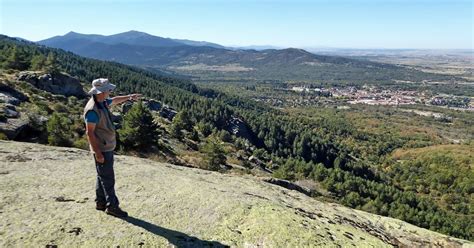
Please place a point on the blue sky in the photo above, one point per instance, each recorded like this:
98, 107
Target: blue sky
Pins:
432, 24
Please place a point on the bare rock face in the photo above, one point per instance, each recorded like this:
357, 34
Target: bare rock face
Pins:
238, 127
47, 199
59, 83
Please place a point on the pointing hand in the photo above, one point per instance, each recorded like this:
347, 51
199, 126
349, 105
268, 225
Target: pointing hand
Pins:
135, 96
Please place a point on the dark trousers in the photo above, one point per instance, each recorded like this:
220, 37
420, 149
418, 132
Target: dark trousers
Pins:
104, 189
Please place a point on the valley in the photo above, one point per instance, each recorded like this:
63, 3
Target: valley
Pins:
246, 119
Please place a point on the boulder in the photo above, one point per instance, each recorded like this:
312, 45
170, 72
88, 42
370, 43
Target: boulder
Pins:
116, 117
168, 113
126, 107
13, 127
152, 105
7, 98
10, 113
9, 95
256, 161
58, 83
27, 76
10, 106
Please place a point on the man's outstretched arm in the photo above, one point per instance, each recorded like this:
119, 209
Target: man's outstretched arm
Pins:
121, 99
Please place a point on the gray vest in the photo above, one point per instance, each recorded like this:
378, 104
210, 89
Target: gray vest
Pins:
104, 129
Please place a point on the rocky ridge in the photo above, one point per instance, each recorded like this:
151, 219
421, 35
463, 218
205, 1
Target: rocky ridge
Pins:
47, 199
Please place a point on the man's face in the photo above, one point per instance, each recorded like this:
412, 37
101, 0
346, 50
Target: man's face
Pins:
104, 94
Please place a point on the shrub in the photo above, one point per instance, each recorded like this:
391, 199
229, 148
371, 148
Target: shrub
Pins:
82, 143
3, 136
58, 107
58, 131
225, 136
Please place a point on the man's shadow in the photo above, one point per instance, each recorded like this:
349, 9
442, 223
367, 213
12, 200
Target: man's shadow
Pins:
176, 238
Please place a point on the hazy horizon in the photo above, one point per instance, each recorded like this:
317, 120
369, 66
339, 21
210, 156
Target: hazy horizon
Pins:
366, 24
270, 46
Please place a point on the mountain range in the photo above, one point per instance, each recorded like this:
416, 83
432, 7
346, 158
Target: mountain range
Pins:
206, 60
131, 38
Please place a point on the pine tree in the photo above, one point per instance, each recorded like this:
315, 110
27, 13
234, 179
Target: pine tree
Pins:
17, 59
38, 62
175, 130
215, 155
183, 120
51, 65
139, 131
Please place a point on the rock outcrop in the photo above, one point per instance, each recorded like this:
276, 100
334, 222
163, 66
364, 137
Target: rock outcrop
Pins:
11, 96
12, 127
168, 113
152, 105
7, 98
9, 110
239, 128
48, 200
58, 83
290, 185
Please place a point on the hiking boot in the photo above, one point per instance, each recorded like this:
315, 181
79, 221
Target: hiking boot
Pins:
116, 211
100, 206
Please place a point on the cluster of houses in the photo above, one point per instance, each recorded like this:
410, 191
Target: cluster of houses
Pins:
376, 96
317, 91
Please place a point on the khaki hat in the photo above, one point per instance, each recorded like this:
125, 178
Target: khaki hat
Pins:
101, 85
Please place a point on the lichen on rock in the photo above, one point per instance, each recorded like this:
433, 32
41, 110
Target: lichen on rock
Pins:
47, 200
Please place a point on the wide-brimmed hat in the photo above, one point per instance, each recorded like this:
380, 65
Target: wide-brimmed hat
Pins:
101, 85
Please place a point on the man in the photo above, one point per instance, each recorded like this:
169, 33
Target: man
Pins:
100, 132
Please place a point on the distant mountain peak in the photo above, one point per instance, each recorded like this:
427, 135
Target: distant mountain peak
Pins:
292, 49
134, 32
72, 33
